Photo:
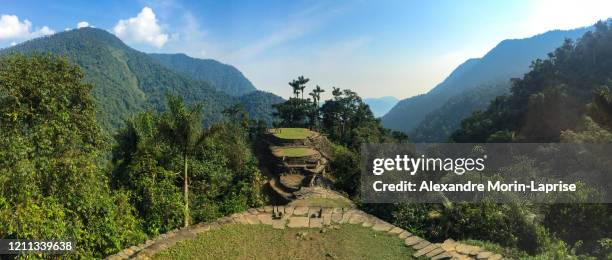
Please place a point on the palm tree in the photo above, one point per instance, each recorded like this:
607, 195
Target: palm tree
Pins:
318, 90
182, 127
301, 82
296, 87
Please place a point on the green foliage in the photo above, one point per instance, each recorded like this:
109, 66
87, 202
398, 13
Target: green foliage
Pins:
126, 81
150, 162
566, 98
345, 170
52, 185
552, 97
221, 76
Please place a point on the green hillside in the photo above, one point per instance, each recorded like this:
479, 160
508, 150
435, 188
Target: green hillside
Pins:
565, 98
223, 77
509, 59
442, 122
127, 81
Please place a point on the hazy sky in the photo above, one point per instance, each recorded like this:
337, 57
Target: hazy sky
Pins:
377, 48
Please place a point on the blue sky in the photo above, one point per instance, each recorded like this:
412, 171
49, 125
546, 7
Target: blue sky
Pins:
378, 48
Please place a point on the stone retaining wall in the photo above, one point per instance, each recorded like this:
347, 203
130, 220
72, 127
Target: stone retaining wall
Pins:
281, 217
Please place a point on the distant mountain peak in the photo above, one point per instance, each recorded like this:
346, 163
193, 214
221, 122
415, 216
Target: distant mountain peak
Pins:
223, 77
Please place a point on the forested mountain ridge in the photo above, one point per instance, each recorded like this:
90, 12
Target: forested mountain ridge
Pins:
223, 77
438, 125
125, 80
552, 97
509, 59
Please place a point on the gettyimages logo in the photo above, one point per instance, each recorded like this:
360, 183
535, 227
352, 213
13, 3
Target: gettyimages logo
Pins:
413, 165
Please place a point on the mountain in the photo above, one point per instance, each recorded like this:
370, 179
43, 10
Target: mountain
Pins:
260, 103
381, 105
509, 59
552, 97
223, 77
125, 80
438, 125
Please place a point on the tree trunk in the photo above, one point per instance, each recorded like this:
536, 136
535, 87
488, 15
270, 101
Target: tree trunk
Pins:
186, 190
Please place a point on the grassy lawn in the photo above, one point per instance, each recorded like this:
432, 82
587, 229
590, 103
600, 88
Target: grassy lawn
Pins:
292, 133
263, 242
293, 152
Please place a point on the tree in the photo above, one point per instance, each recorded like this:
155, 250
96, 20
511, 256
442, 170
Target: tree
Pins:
181, 126
316, 97
52, 183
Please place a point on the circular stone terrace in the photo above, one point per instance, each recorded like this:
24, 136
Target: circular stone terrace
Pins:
291, 133
294, 152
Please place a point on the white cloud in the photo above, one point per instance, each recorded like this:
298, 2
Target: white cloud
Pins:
12, 28
82, 24
141, 29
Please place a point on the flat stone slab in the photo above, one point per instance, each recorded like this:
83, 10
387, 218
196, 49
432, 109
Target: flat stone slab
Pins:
484, 255
404, 235
300, 211
367, 223
268, 209
425, 250
240, 220
495, 257
468, 249
336, 217
413, 240
327, 219
356, 219
252, 219
381, 227
297, 222
345, 217
265, 219
289, 210
442, 256
316, 223
396, 231
449, 245
421, 245
435, 252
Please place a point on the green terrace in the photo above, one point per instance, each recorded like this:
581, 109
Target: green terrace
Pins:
293, 152
291, 133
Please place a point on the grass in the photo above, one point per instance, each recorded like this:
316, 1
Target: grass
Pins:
238, 241
293, 152
292, 133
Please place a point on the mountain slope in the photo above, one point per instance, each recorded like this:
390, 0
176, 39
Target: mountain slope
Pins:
259, 104
380, 106
223, 77
125, 80
438, 125
552, 97
509, 59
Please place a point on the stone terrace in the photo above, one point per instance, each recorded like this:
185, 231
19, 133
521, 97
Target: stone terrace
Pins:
281, 217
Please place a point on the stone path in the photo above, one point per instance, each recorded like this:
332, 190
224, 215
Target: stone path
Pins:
281, 217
